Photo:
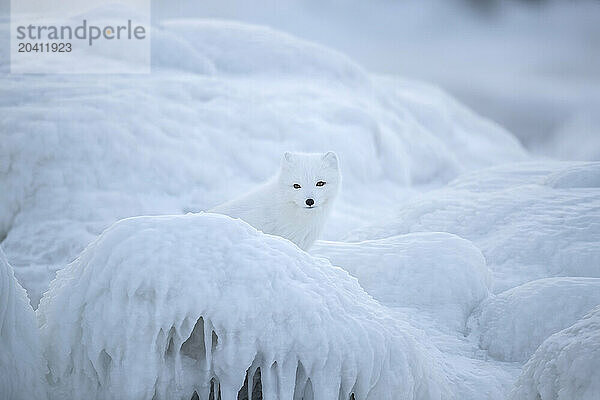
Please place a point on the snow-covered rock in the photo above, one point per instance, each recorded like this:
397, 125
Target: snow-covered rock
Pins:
530, 313
222, 104
21, 365
566, 366
157, 307
531, 220
434, 272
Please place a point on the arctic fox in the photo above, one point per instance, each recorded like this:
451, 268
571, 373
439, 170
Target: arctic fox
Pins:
295, 203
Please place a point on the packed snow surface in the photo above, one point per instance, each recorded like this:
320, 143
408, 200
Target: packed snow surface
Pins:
157, 307
530, 313
21, 365
566, 366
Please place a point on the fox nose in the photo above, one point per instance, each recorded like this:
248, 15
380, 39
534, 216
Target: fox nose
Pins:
309, 202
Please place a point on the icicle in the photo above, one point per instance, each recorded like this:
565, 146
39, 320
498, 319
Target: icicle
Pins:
208, 332
177, 342
286, 379
269, 383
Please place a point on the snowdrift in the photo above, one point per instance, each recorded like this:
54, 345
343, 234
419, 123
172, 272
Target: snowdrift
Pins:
21, 366
566, 366
531, 220
162, 307
529, 313
434, 272
222, 104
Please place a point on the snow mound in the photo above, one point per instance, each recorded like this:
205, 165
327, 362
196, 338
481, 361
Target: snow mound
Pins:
241, 49
578, 176
435, 272
526, 229
21, 365
529, 313
210, 131
160, 307
566, 366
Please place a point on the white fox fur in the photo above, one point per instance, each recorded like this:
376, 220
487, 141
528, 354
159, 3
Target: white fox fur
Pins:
278, 208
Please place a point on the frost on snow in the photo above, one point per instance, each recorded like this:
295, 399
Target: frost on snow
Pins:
160, 307
566, 366
530, 313
434, 271
21, 365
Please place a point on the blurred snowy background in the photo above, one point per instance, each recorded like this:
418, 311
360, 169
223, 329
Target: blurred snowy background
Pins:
533, 66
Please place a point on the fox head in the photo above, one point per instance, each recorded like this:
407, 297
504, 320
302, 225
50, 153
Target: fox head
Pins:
310, 180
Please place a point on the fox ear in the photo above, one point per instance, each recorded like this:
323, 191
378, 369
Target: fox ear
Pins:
330, 158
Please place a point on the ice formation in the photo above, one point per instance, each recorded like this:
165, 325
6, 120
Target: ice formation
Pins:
433, 271
209, 129
21, 365
566, 366
158, 307
528, 223
529, 313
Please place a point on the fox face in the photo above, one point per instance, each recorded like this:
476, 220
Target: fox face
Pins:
309, 180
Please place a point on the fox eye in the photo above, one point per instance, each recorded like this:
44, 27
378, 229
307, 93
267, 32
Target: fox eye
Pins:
296, 186
320, 183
